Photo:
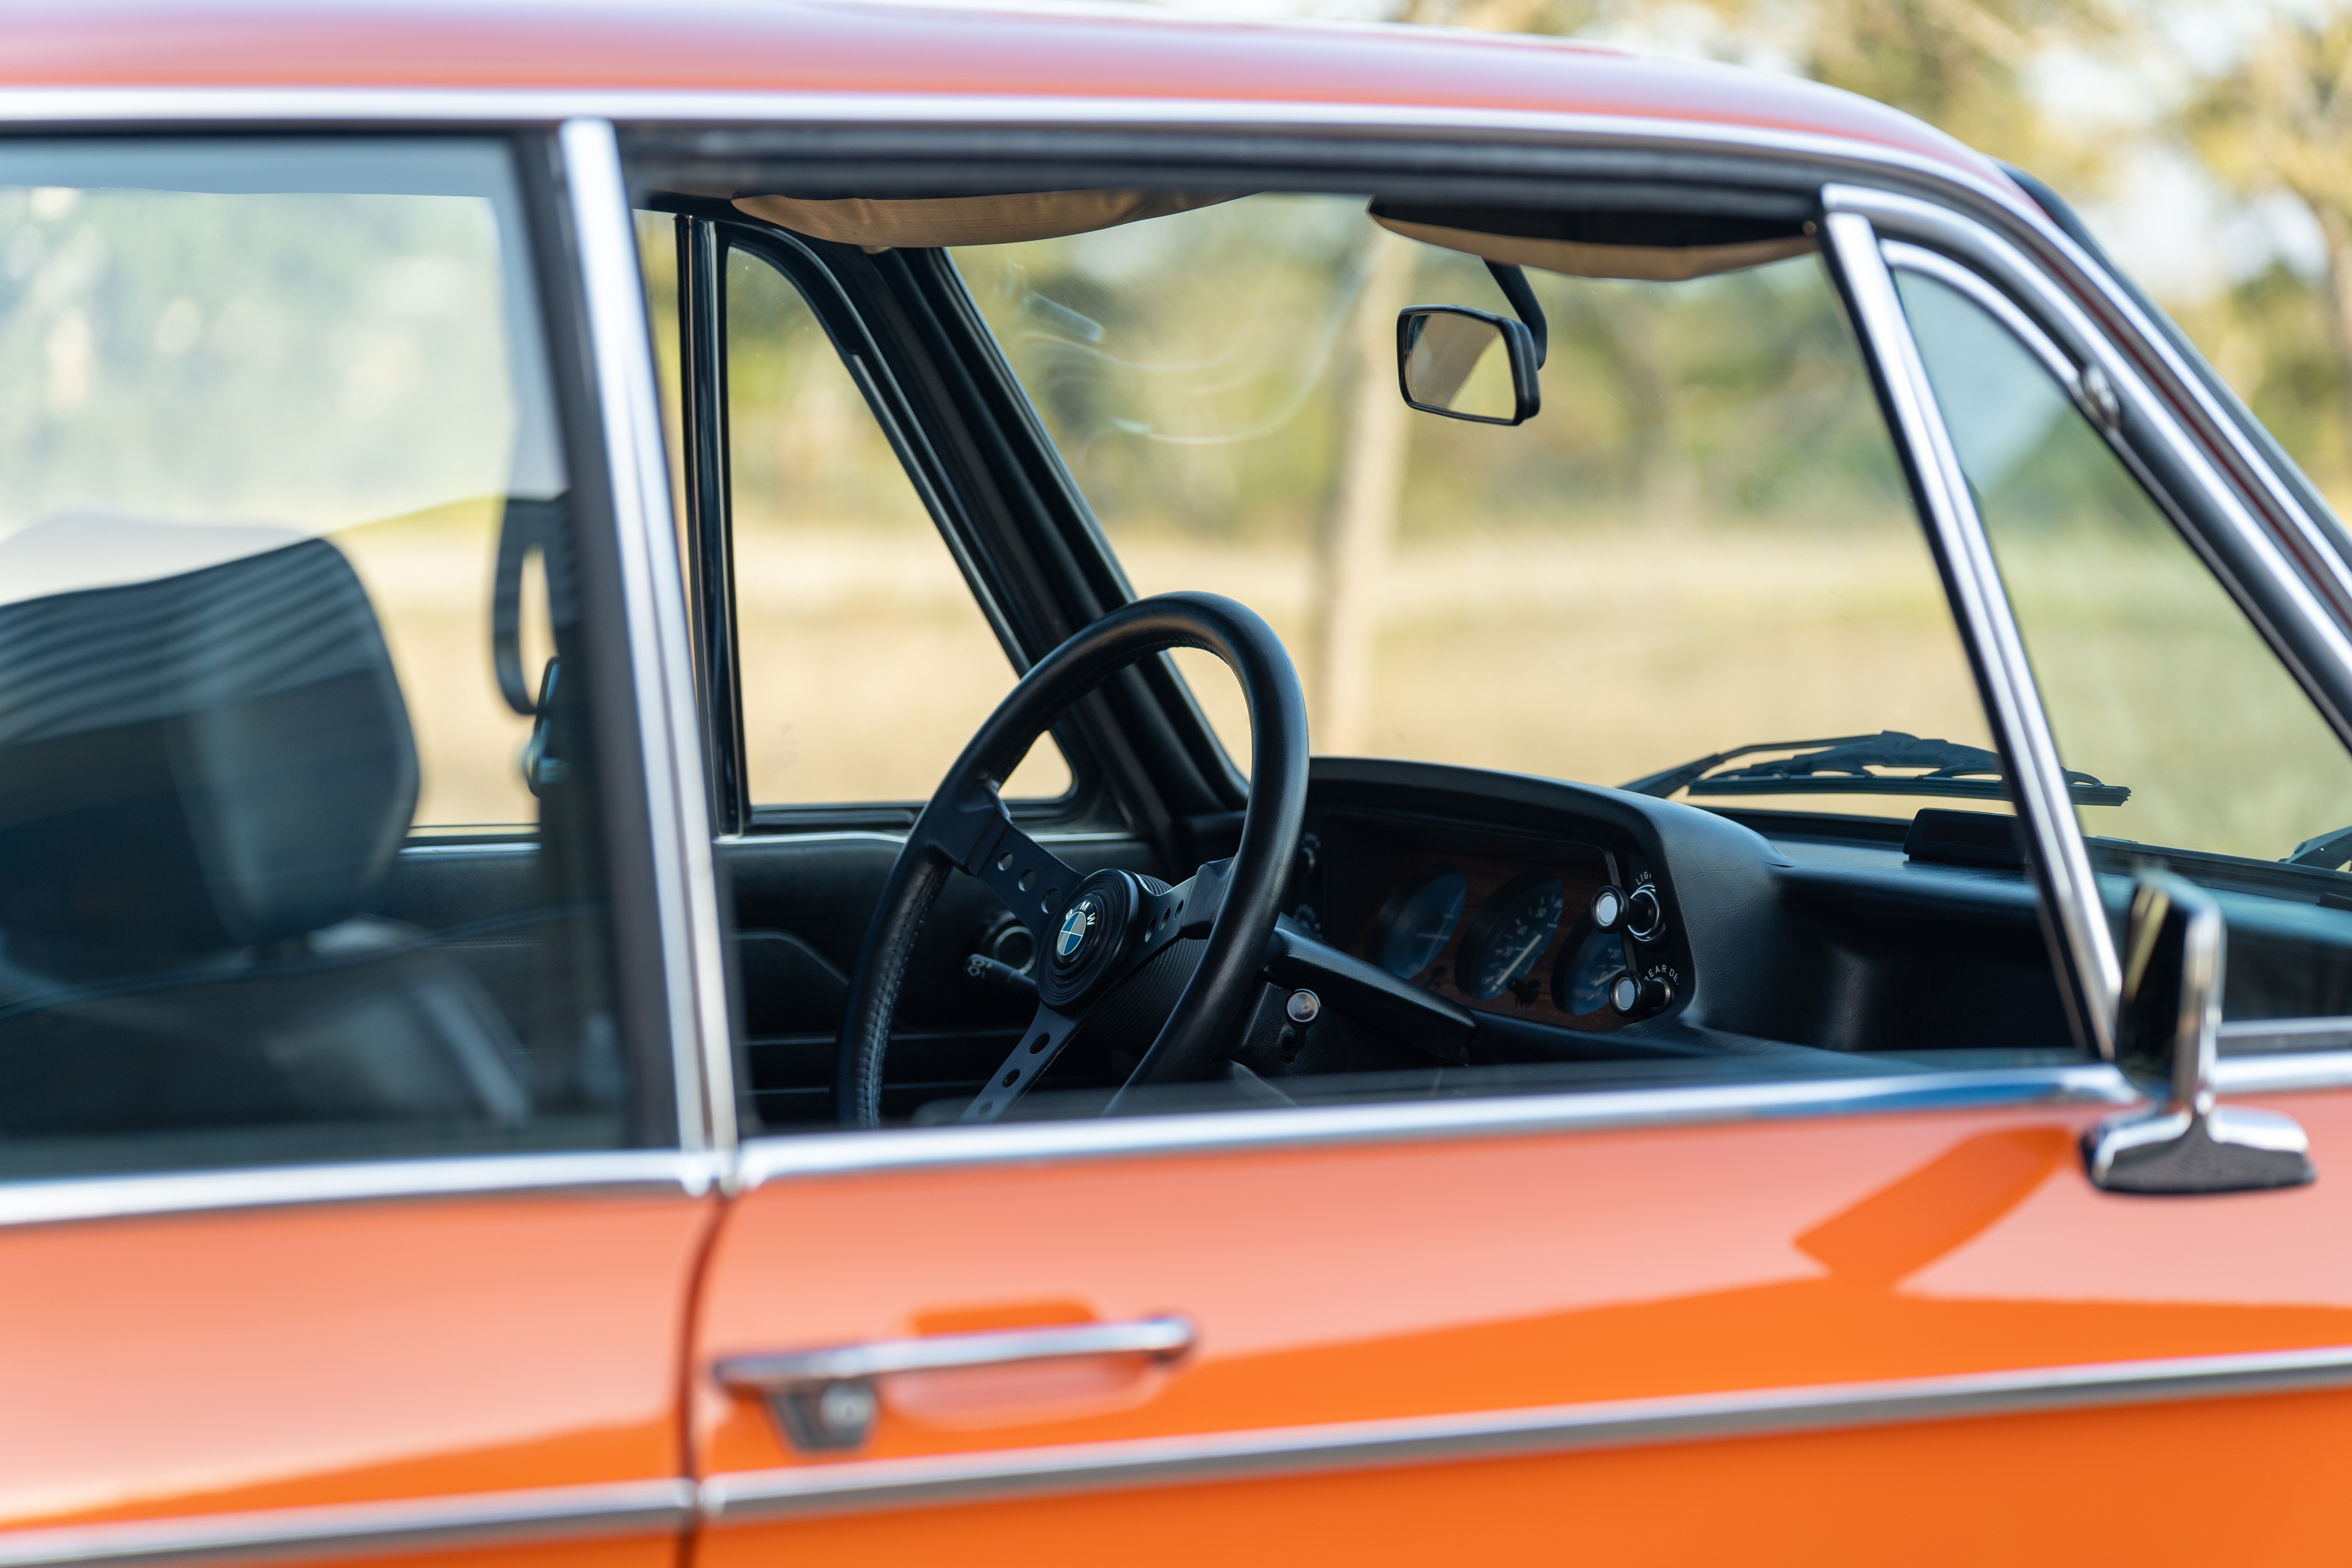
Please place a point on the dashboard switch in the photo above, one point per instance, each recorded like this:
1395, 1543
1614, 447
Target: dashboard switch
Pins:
1642, 914
1608, 907
1637, 998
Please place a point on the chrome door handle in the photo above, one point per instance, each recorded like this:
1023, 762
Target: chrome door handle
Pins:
824, 1398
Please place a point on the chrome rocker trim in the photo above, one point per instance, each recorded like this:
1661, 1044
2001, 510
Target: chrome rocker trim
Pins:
868, 1485
362, 1530
633, 1507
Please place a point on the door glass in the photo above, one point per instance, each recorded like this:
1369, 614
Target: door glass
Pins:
866, 663
285, 569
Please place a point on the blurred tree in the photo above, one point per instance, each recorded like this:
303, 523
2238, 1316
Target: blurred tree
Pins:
1352, 537
2281, 120
1963, 65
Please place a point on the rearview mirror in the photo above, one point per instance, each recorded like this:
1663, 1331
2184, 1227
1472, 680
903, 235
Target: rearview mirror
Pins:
1448, 363
2167, 1037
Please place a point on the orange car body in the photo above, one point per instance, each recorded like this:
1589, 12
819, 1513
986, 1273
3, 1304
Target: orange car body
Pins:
1618, 1334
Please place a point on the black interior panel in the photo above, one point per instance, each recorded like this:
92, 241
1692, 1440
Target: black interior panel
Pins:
801, 905
1795, 952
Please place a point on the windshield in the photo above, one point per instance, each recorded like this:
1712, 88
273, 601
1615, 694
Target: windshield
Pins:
1701, 542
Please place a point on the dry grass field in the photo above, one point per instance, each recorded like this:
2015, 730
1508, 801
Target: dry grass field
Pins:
1607, 656
1599, 657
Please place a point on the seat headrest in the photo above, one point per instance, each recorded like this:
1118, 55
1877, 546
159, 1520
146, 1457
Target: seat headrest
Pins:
211, 758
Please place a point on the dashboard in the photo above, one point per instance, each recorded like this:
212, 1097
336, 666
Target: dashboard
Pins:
1578, 924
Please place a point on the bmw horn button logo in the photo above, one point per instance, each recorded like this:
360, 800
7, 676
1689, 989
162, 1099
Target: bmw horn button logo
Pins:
1077, 924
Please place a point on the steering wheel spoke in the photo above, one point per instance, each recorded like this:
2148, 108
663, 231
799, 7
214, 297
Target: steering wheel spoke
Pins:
1041, 1042
1034, 883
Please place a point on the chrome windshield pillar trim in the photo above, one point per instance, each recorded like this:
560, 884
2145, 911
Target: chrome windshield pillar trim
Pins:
1957, 536
660, 653
64, 1200
2305, 613
2193, 398
824, 1156
868, 1485
362, 1530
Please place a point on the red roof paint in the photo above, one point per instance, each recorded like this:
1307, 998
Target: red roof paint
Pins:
840, 45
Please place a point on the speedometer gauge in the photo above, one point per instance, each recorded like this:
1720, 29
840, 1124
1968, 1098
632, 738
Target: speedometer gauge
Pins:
1419, 921
1507, 939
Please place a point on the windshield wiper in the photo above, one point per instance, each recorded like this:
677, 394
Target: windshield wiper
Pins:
1841, 763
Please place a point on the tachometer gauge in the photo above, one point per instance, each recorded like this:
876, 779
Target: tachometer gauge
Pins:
1509, 935
1417, 922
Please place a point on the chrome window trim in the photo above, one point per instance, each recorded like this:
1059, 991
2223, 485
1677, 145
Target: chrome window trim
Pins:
2190, 389
2298, 1054
2087, 343
362, 1530
67, 1199
483, 847
660, 656
867, 1485
818, 1155
897, 836
1982, 607
366, 106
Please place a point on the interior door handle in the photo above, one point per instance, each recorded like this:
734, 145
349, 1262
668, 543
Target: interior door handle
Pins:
824, 1398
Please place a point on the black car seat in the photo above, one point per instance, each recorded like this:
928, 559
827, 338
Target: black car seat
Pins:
205, 777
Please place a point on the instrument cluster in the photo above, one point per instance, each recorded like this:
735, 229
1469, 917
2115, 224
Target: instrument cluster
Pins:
1570, 934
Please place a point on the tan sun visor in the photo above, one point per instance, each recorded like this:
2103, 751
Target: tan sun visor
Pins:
928, 222
1655, 248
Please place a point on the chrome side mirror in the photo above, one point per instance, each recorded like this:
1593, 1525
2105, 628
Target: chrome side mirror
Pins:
2167, 1030
1448, 363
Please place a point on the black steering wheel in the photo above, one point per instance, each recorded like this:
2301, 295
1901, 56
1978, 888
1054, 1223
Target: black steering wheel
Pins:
1095, 932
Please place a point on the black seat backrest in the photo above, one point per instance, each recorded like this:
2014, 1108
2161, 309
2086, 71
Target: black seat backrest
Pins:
205, 777
217, 758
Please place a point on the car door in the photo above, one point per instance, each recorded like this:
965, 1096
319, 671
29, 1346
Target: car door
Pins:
1849, 1315
350, 1191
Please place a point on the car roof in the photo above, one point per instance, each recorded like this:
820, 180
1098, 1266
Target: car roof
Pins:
936, 51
